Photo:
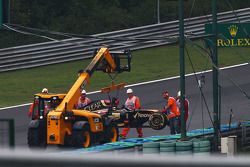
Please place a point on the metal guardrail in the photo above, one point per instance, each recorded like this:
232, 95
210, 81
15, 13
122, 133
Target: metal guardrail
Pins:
72, 49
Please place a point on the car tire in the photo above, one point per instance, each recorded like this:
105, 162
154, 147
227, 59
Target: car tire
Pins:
158, 121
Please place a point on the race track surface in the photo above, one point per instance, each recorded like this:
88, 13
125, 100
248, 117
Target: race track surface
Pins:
150, 96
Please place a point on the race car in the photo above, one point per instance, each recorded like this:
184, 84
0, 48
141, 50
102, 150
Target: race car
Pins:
152, 118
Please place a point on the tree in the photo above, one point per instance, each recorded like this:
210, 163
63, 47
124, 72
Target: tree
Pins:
96, 16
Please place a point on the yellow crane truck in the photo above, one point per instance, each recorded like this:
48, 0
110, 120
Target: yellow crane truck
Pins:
65, 125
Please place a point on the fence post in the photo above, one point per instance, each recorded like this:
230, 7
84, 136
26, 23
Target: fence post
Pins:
11, 133
11, 129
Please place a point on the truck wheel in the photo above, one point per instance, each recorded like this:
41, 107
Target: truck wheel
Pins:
158, 121
36, 138
82, 137
67, 142
111, 133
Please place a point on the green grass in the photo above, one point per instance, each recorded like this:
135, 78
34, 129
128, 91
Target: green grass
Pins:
18, 87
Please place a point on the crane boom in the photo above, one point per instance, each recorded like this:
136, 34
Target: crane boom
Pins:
67, 125
109, 66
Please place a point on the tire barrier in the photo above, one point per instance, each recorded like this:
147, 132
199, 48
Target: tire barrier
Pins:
166, 137
167, 144
122, 147
96, 149
202, 131
108, 147
210, 130
151, 148
243, 123
198, 146
140, 141
120, 144
167, 147
184, 148
184, 153
201, 147
195, 146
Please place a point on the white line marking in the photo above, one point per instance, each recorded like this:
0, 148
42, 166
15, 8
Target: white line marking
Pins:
21, 105
191, 74
148, 82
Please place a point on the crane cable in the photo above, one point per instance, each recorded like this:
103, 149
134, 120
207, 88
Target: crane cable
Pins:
28, 33
171, 38
200, 88
52, 39
231, 80
202, 94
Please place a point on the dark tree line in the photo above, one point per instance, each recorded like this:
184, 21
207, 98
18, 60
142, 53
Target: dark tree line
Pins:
96, 16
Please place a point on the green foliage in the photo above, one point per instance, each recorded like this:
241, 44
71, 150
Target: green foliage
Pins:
96, 16
9, 38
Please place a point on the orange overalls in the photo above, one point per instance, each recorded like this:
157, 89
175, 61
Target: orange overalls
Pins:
132, 104
173, 115
173, 109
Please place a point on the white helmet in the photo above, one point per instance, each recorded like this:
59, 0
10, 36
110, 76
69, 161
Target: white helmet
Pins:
178, 93
45, 90
129, 90
83, 91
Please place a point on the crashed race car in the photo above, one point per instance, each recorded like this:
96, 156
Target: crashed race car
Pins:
151, 118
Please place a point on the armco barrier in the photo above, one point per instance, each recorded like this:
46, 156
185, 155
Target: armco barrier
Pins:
72, 49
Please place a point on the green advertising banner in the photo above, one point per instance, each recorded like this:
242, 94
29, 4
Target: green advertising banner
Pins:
231, 34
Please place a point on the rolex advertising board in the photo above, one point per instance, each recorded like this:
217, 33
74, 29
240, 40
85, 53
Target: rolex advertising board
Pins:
231, 34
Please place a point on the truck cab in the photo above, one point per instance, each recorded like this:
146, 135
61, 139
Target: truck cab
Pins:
43, 103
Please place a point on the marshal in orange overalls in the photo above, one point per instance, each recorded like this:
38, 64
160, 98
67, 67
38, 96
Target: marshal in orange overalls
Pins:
132, 103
